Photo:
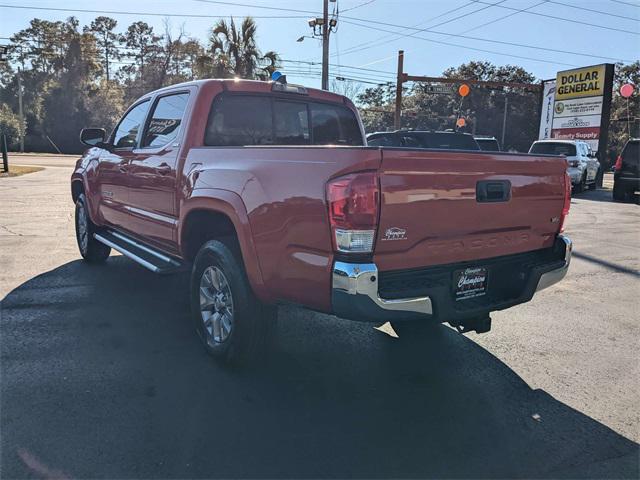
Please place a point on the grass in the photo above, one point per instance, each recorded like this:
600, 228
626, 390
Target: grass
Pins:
17, 170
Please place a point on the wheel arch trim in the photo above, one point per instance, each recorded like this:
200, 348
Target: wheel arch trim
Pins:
231, 205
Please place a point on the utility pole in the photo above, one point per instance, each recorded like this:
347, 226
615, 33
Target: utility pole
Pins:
20, 112
504, 118
325, 45
399, 81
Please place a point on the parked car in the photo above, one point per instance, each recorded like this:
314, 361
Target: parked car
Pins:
267, 193
584, 168
626, 177
487, 144
423, 139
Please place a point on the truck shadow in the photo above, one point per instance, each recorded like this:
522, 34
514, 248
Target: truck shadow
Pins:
103, 376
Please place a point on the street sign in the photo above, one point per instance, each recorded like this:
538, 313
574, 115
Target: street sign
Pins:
4, 53
440, 88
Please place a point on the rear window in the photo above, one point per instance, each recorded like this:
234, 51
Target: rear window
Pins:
488, 144
244, 120
445, 140
550, 148
631, 153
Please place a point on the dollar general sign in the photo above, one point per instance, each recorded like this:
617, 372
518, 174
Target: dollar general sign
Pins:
581, 82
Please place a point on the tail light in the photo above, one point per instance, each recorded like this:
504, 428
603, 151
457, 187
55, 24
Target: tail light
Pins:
567, 201
353, 211
618, 166
574, 163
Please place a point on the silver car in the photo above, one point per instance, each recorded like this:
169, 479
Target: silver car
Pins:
583, 168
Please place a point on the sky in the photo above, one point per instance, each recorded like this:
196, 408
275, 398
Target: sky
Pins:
435, 34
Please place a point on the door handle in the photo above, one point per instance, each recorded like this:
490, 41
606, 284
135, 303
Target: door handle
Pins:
164, 169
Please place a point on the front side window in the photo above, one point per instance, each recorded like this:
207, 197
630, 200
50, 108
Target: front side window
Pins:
165, 121
126, 133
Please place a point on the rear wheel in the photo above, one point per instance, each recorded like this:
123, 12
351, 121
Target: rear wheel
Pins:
619, 194
232, 323
91, 250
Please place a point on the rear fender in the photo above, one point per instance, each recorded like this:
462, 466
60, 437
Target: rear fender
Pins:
231, 205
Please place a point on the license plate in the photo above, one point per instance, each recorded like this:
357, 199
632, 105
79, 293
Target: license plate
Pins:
470, 283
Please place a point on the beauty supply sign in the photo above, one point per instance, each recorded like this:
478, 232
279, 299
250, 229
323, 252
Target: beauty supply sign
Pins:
580, 98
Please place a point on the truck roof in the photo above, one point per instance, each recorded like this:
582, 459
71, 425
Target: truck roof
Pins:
553, 140
250, 86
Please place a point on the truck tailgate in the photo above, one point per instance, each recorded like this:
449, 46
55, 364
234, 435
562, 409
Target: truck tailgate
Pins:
435, 208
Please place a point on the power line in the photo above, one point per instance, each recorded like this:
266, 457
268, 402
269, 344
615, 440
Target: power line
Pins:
383, 39
599, 12
505, 16
626, 3
153, 14
468, 37
467, 47
358, 6
340, 66
579, 22
264, 7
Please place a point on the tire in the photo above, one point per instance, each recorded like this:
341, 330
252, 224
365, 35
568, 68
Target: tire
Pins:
92, 251
231, 322
619, 194
594, 185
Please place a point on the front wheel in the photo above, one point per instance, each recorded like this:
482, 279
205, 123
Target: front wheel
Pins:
91, 250
232, 323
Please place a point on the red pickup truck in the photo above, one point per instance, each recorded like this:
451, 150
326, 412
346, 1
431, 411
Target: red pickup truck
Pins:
269, 194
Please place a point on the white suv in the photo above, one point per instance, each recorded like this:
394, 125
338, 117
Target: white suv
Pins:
583, 164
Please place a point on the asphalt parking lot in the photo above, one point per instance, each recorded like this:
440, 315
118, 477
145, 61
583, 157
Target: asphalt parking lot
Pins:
102, 375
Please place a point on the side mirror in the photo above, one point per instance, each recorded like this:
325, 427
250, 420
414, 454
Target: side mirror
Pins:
94, 137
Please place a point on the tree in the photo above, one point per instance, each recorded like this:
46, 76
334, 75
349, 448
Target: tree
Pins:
625, 121
103, 29
10, 125
143, 45
234, 52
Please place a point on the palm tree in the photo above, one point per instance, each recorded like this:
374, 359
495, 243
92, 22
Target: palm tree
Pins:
234, 52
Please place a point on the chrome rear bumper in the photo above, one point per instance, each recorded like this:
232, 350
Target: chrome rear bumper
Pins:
355, 293
554, 276
355, 296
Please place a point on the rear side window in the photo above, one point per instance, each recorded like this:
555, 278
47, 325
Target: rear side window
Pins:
237, 120
245, 120
550, 148
165, 121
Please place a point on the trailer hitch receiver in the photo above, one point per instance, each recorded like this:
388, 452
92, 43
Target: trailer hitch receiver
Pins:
480, 324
